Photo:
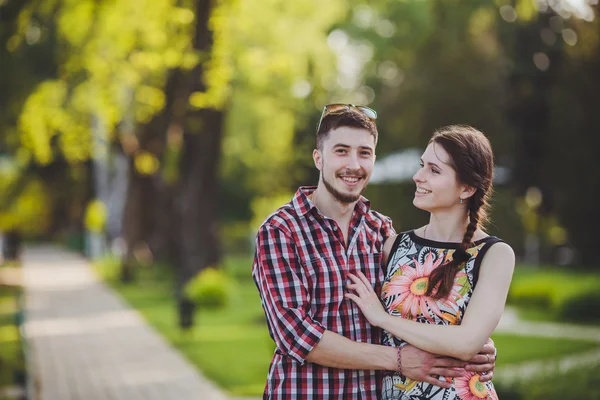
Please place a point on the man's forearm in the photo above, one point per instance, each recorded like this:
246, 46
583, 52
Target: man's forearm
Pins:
337, 351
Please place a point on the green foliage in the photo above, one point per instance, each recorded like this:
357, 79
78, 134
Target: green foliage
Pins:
29, 212
583, 306
209, 289
95, 216
113, 60
564, 293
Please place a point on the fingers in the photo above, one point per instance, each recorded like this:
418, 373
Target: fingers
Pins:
483, 359
361, 285
352, 297
364, 280
487, 377
448, 372
448, 362
480, 367
488, 348
438, 382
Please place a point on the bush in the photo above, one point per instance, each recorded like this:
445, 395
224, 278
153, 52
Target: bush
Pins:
584, 307
559, 293
532, 293
209, 289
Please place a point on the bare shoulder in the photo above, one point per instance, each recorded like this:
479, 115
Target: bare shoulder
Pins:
500, 254
501, 249
387, 247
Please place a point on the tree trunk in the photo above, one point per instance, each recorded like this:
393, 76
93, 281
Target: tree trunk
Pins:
198, 245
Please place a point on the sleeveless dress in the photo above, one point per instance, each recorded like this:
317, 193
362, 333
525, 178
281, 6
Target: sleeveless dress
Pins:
410, 263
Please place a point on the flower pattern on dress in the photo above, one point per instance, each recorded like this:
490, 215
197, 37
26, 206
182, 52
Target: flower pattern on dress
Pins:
409, 285
468, 387
403, 294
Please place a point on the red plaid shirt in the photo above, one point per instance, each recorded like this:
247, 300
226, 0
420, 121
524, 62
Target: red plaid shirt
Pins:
300, 270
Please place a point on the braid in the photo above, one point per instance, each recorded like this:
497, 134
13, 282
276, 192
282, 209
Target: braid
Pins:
470, 155
474, 209
442, 278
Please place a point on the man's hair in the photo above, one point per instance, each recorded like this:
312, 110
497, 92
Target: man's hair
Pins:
350, 118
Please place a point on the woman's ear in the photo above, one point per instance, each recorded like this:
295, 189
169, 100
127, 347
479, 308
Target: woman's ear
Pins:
467, 192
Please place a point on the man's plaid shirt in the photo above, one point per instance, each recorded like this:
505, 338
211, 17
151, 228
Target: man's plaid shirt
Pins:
300, 269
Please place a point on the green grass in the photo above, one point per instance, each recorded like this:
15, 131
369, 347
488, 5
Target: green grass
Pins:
515, 349
232, 347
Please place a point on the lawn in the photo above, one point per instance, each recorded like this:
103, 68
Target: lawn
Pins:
514, 348
232, 346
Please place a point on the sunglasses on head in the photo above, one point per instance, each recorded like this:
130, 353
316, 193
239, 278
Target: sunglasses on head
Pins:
340, 108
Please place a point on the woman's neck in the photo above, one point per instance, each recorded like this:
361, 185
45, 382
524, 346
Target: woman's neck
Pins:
446, 228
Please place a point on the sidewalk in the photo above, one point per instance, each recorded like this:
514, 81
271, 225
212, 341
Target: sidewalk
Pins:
86, 344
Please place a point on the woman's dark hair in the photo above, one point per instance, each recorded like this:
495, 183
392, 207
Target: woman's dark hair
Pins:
472, 158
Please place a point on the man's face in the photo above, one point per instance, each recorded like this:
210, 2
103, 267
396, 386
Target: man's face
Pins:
346, 162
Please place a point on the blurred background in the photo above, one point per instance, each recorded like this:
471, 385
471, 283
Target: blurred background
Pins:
154, 136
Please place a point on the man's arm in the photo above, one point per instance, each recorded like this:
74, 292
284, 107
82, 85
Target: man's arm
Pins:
337, 351
283, 293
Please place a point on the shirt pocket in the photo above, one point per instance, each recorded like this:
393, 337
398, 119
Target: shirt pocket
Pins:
371, 265
325, 282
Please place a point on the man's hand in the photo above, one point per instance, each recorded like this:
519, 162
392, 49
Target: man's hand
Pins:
423, 366
484, 362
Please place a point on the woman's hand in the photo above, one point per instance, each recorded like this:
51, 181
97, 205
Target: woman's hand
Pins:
366, 299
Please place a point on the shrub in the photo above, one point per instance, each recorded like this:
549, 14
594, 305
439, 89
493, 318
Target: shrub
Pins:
560, 293
531, 293
583, 306
209, 289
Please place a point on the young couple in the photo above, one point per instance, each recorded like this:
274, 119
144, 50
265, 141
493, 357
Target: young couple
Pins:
360, 312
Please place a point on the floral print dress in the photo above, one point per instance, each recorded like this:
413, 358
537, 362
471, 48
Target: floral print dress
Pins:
411, 261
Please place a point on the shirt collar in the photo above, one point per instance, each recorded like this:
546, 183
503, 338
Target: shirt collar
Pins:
302, 204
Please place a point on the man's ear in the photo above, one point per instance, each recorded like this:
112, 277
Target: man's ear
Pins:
318, 159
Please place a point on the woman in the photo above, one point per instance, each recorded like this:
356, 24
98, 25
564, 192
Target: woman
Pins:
447, 280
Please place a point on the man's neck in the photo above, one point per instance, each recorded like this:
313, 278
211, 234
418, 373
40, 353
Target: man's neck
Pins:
332, 208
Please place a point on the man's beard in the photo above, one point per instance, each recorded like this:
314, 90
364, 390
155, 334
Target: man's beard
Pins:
343, 198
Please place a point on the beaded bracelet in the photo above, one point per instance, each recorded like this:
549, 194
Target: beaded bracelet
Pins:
399, 360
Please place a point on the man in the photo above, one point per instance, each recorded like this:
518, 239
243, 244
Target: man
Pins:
304, 251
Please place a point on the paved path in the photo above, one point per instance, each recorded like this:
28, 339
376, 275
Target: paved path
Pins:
86, 344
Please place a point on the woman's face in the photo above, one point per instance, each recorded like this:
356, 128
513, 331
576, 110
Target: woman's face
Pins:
437, 185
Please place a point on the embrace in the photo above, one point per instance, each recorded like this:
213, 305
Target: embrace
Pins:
358, 311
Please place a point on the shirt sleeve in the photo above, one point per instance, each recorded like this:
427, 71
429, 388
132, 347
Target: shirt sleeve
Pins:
387, 229
285, 299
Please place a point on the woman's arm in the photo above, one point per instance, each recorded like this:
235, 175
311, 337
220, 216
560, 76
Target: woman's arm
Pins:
481, 317
387, 248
